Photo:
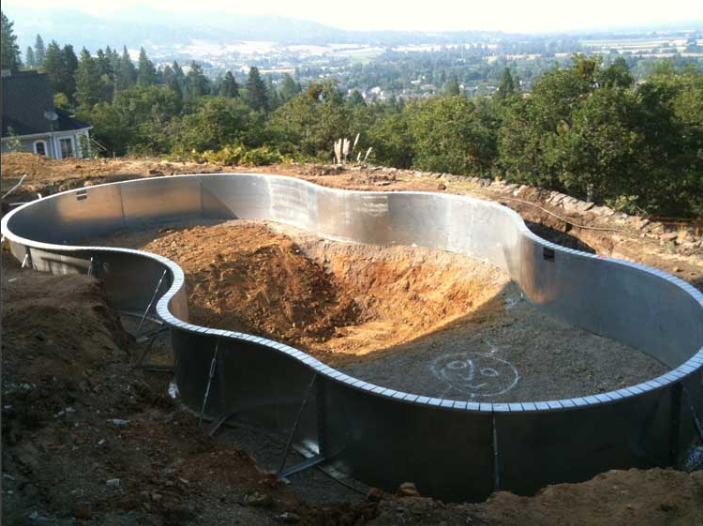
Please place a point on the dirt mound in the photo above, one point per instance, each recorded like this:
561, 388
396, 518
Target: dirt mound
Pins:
62, 337
327, 298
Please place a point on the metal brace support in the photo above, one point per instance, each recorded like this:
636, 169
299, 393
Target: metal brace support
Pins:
305, 464
221, 422
27, 261
289, 443
213, 364
151, 337
153, 298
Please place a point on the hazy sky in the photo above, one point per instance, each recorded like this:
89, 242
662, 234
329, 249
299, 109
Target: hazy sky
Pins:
428, 15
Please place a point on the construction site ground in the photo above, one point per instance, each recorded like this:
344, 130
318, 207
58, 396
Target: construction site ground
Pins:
87, 438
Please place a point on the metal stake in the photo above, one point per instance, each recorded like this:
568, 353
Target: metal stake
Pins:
289, 443
153, 298
209, 382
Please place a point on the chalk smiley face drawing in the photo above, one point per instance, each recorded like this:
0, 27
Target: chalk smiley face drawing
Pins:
475, 374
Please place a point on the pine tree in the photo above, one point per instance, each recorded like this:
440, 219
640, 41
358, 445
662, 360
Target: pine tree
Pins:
452, 88
229, 87
272, 92
29, 58
126, 74
114, 59
10, 50
53, 65
146, 72
89, 86
506, 87
39, 51
289, 88
68, 74
103, 61
256, 91
196, 82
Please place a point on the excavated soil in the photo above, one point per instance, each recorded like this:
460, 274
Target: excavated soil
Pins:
413, 319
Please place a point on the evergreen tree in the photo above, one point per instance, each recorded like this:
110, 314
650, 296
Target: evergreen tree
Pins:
356, 99
289, 88
196, 82
272, 92
257, 97
114, 59
69, 68
103, 62
126, 73
507, 85
53, 65
29, 58
146, 72
229, 87
39, 51
452, 88
89, 85
10, 50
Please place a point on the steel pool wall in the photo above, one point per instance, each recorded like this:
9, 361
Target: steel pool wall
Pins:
450, 449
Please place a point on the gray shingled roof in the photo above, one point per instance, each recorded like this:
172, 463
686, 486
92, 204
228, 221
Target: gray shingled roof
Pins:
25, 100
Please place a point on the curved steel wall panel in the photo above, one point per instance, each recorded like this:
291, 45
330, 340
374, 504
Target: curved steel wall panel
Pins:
449, 448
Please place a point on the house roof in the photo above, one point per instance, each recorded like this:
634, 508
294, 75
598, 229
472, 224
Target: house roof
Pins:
26, 100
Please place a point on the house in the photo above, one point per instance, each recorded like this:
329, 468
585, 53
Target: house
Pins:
30, 122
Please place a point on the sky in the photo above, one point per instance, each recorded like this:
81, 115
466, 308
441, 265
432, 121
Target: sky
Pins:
425, 15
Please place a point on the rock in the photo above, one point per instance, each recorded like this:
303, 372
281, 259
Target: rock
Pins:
382, 183
671, 236
118, 422
441, 186
678, 269
258, 500
407, 489
288, 517
83, 512
113, 483
374, 494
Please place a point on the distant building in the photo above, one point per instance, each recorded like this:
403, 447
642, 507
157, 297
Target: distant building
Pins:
30, 120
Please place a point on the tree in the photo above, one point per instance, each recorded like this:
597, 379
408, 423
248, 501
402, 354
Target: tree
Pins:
10, 50
356, 99
103, 61
196, 83
229, 87
617, 75
29, 58
506, 88
146, 72
89, 85
53, 65
601, 148
39, 51
452, 88
452, 134
126, 75
257, 95
312, 121
217, 122
69, 68
289, 88
272, 92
